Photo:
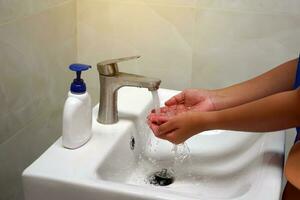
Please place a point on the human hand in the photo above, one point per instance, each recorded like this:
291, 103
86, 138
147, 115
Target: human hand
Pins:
191, 99
179, 128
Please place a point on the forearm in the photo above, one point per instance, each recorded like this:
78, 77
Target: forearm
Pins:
272, 113
277, 80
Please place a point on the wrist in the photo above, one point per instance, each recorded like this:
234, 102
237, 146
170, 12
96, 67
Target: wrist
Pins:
227, 98
207, 121
219, 99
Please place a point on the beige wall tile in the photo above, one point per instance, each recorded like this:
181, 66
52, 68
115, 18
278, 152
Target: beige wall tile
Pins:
35, 52
158, 32
263, 6
181, 3
40, 5
15, 9
235, 46
33, 58
11, 9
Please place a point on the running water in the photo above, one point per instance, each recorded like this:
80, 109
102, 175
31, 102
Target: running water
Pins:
156, 101
181, 152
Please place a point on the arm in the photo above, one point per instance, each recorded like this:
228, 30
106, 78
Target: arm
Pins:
277, 80
272, 113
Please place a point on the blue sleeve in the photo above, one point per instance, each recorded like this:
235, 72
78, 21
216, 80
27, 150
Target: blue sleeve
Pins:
296, 85
297, 80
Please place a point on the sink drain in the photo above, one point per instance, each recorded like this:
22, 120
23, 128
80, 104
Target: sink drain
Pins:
161, 178
132, 143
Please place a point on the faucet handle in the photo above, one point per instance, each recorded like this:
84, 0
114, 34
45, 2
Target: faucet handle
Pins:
110, 67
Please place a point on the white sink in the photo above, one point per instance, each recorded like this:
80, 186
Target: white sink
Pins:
222, 164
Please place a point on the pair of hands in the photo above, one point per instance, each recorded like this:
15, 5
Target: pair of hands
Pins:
180, 118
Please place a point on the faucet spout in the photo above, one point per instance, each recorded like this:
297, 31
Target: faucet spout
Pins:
134, 80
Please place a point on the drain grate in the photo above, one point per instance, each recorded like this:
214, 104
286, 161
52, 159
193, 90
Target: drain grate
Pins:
161, 178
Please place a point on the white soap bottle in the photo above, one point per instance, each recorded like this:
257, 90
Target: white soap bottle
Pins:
77, 114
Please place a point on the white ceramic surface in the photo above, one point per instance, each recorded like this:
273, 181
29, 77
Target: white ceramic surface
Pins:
222, 164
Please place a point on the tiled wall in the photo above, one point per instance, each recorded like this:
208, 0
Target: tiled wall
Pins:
189, 43
162, 32
237, 40
37, 42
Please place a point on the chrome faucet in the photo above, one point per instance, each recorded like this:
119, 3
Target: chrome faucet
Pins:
111, 80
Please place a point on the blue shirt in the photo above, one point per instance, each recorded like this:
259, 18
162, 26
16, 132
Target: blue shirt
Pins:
296, 85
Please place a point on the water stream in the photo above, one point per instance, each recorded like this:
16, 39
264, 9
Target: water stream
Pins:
180, 152
156, 101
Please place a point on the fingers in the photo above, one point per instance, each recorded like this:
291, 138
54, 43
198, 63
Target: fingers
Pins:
172, 137
154, 128
160, 124
169, 110
157, 119
167, 127
167, 131
177, 99
161, 110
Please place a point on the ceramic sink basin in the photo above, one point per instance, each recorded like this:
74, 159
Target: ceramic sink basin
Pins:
118, 161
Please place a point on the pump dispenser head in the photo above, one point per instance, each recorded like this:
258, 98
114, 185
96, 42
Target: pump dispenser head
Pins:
78, 86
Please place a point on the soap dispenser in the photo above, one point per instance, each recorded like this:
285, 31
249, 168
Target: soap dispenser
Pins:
77, 114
